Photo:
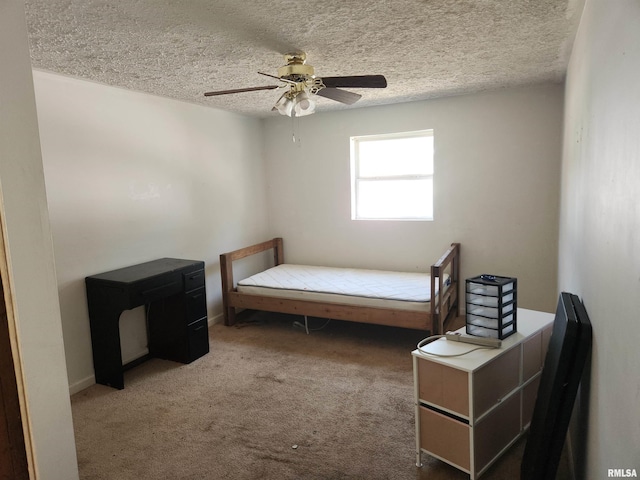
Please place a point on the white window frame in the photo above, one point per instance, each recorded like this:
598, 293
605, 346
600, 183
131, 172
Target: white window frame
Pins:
355, 175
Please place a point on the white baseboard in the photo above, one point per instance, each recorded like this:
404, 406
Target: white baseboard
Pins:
82, 384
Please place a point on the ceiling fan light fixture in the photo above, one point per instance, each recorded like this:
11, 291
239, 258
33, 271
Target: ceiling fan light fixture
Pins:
304, 104
285, 106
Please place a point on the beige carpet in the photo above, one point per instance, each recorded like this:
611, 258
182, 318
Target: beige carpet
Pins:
268, 402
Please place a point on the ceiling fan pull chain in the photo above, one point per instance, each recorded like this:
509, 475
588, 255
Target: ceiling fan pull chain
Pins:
295, 127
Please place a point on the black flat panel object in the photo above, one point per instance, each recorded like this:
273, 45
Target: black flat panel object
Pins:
569, 348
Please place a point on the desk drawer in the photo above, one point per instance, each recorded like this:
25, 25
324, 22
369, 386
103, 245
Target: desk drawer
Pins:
193, 280
154, 289
196, 305
198, 340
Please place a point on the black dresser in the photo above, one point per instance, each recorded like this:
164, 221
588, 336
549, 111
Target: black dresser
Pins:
173, 292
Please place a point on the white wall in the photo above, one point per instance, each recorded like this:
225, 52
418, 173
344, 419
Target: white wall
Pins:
497, 166
32, 278
600, 222
133, 177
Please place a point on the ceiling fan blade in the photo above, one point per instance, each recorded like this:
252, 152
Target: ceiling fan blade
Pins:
338, 95
240, 90
356, 81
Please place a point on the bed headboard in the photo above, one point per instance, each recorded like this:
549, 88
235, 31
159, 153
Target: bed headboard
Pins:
275, 243
227, 259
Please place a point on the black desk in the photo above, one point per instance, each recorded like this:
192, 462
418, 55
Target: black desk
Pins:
173, 292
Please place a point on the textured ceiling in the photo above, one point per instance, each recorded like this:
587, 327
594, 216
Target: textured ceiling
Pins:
182, 48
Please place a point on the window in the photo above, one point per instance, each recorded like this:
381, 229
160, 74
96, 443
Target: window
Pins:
392, 176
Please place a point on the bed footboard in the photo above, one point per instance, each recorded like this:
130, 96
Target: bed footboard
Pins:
446, 305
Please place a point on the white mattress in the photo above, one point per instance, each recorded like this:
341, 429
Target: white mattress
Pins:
398, 290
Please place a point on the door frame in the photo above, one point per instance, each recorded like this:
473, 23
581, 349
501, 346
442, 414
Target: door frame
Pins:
17, 448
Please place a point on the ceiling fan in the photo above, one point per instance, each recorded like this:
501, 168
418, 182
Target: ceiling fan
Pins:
302, 86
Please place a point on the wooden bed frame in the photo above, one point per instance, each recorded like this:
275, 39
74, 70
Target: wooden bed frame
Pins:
444, 306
